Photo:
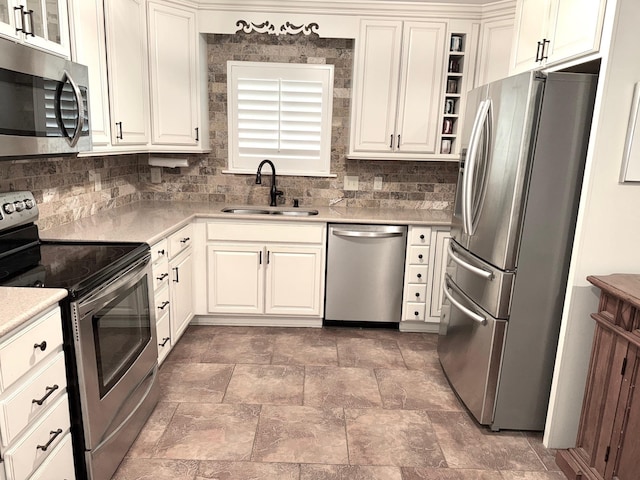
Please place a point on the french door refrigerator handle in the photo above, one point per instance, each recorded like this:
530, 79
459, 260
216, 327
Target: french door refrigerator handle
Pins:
472, 154
467, 266
472, 315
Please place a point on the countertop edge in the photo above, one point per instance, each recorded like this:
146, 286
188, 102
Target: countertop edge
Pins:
21, 304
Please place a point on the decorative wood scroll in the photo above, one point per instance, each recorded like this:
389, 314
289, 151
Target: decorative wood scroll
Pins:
268, 27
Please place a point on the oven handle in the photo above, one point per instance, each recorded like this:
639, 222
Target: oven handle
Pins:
107, 293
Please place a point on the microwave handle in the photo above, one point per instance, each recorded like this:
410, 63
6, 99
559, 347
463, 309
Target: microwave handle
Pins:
76, 92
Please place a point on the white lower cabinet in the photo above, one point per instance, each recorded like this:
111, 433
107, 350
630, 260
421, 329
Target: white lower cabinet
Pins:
181, 291
265, 269
34, 408
424, 273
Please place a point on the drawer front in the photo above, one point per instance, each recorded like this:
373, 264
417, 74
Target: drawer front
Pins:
159, 250
414, 311
32, 399
29, 452
416, 292
30, 346
420, 236
419, 255
418, 274
163, 329
180, 240
160, 273
267, 231
162, 301
59, 464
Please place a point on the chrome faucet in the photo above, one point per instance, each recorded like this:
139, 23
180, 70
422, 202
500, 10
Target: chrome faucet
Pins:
273, 195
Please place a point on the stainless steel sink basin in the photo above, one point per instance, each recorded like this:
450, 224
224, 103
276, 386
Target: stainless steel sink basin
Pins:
287, 211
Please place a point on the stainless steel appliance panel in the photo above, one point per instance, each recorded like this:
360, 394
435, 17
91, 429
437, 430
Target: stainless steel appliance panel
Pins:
470, 352
365, 272
493, 178
483, 283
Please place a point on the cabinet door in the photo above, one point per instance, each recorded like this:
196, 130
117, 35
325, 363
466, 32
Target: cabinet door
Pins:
173, 73
8, 18
49, 23
423, 45
531, 25
89, 49
375, 92
575, 28
126, 28
235, 277
494, 51
294, 280
181, 287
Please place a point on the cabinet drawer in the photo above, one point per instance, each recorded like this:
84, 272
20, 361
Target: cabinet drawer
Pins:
20, 408
420, 236
160, 272
180, 240
417, 293
163, 329
29, 347
417, 274
159, 250
414, 311
267, 231
162, 301
27, 454
59, 463
418, 255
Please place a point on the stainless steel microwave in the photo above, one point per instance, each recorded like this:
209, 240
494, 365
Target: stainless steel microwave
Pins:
44, 108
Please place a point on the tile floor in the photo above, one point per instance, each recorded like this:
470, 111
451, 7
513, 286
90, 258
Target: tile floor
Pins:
253, 403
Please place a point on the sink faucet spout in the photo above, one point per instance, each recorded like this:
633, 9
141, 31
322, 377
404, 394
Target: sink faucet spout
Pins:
274, 193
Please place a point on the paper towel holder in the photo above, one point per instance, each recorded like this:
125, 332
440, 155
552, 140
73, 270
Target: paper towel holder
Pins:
168, 162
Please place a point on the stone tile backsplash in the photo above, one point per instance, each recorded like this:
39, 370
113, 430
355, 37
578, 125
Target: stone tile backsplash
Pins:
67, 188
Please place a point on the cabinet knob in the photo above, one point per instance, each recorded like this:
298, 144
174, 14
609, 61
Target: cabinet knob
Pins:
420, 256
42, 346
417, 314
421, 237
417, 294
161, 252
419, 275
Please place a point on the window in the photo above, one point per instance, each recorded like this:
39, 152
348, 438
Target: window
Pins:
280, 111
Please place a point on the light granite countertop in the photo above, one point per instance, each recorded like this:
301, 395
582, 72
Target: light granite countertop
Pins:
151, 221
22, 304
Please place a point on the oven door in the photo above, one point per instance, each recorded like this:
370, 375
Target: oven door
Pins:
116, 352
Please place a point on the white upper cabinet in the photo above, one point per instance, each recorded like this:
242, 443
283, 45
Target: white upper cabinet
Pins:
173, 63
127, 60
40, 23
549, 32
89, 49
398, 82
494, 52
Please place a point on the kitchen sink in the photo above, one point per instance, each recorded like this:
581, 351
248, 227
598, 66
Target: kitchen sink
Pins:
288, 211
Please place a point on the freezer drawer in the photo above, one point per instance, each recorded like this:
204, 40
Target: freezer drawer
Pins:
470, 349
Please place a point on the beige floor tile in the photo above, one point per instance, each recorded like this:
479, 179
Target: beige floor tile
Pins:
266, 384
416, 390
392, 437
144, 468
328, 387
449, 474
194, 382
247, 471
348, 472
304, 350
210, 432
465, 445
369, 353
234, 348
516, 475
145, 445
419, 355
547, 456
301, 435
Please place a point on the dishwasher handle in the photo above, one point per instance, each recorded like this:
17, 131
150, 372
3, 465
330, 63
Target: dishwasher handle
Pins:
354, 233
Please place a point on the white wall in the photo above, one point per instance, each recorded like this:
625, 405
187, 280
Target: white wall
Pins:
608, 226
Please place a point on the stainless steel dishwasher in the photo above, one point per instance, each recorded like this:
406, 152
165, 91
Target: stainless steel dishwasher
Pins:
365, 270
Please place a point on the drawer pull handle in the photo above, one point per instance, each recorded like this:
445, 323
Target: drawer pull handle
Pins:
185, 240
49, 391
164, 304
55, 434
161, 252
162, 277
164, 341
420, 256
42, 346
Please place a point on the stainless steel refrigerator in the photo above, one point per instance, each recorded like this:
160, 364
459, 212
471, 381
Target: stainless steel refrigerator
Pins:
524, 144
